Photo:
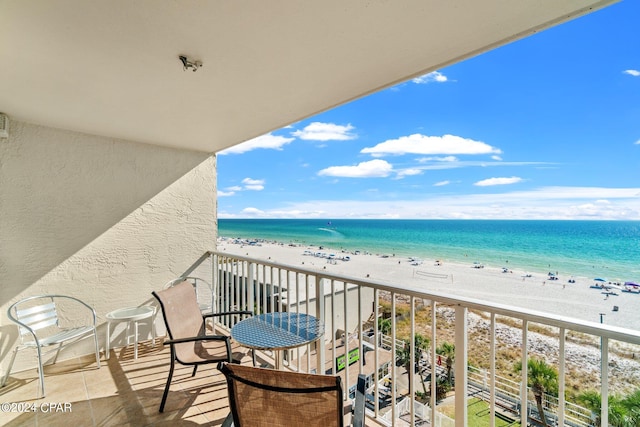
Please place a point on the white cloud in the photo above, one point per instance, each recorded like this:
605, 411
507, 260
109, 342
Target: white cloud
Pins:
284, 213
541, 203
498, 181
253, 184
467, 164
434, 76
253, 212
430, 145
496, 158
637, 142
441, 183
251, 181
590, 193
250, 184
268, 141
438, 159
370, 169
634, 73
408, 172
318, 131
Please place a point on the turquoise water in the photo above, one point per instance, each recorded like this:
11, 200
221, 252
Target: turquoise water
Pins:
609, 249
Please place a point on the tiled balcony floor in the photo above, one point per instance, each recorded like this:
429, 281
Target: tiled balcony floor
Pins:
123, 392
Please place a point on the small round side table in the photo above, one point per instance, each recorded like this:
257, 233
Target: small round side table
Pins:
131, 314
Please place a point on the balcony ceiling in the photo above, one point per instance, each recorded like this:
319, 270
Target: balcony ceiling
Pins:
111, 68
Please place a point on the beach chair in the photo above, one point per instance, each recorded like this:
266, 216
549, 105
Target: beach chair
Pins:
186, 328
41, 327
260, 397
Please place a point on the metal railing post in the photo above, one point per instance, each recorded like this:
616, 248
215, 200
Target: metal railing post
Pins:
461, 366
524, 412
320, 314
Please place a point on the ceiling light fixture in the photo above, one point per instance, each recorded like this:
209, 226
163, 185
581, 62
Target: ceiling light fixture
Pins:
188, 63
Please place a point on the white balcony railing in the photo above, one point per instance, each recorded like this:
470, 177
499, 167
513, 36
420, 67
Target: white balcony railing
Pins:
349, 308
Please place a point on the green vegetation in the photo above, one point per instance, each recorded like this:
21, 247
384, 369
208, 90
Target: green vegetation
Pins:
447, 350
478, 415
404, 355
624, 411
384, 326
542, 378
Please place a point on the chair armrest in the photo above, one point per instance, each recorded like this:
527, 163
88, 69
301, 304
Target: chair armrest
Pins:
225, 339
227, 313
200, 338
79, 301
52, 299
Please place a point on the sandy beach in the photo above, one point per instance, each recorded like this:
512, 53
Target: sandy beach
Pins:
529, 289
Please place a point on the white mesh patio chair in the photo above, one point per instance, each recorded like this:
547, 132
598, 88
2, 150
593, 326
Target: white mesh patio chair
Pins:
40, 327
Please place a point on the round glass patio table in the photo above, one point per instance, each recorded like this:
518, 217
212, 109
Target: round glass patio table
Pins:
277, 331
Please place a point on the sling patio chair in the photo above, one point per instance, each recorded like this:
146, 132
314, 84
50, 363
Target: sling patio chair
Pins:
40, 326
186, 328
202, 288
260, 397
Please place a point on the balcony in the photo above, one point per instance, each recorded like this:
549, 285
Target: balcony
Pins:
127, 391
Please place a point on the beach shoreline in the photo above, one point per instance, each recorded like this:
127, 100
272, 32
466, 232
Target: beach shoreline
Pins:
534, 290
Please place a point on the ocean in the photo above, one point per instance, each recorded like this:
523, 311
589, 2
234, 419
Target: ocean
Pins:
607, 249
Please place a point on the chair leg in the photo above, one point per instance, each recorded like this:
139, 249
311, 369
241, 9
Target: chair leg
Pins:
13, 358
41, 371
358, 410
195, 369
95, 338
55, 358
228, 422
166, 387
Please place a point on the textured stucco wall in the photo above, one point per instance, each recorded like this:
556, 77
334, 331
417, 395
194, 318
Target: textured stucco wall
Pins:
104, 220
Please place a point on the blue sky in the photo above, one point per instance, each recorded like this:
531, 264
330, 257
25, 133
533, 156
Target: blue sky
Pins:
547, 127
